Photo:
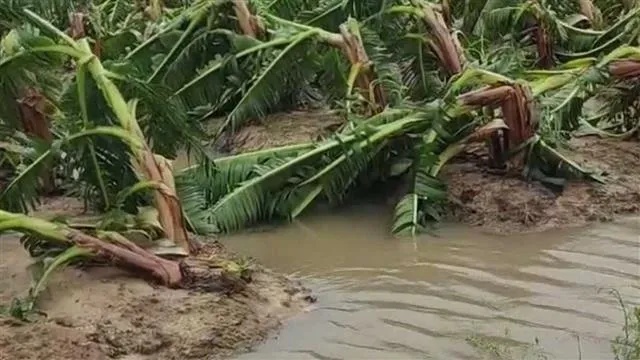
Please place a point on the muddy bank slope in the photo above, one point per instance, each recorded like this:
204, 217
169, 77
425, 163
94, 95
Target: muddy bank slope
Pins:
499, 203
105, 313
508, 204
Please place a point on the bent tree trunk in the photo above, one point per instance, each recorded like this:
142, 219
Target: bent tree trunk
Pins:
444, 44
34, 118
112, 246
152, 167
349, 41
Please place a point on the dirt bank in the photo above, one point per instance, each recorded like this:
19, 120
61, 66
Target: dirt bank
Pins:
283, 129
105, 313
497, 203
504, 204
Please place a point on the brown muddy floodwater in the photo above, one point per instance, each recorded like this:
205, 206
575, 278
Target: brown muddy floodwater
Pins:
380, 297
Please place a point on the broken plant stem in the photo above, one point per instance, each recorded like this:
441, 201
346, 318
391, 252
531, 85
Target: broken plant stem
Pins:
153, 167
442, 41
248, 22
349, 42
35, 122
443, 44
122, 250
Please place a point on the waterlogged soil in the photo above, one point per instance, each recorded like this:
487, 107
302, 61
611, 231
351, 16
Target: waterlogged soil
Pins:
497, 203
508, 204
102, 312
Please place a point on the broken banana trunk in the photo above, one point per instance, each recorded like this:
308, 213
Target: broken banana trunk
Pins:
624, 69
110, 246
591, 12
350, 43
158, 169
443, 43
515, 102
544, 47
250, 25
34, 117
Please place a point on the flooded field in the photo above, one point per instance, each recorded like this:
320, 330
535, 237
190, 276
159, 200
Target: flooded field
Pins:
380, 297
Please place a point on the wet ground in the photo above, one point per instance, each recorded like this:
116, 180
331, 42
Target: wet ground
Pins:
509, 204
102, 312
380, 297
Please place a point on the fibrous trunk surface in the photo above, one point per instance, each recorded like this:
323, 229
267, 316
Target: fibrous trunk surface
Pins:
35, 122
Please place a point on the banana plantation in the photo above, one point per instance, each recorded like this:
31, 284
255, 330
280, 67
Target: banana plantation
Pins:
99, 97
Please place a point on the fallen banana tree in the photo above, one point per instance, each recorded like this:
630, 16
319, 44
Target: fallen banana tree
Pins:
105, 244
413, 143
152, 167
441, 40
612, 81
111, 237
289, 49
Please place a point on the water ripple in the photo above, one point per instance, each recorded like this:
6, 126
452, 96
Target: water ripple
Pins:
420, 299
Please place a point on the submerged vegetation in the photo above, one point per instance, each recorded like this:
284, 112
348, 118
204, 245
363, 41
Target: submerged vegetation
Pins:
99, 96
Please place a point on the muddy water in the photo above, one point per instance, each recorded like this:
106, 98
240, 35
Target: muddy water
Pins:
380, 297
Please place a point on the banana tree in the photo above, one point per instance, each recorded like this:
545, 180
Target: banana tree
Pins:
151, 167
134, 240
293, 50
441, 40
413, 142
556, 28
611, 81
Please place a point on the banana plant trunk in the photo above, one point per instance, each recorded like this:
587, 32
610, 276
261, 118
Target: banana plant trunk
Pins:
444, 44
249, 24
76, 25
349, 41
154, 9
544, 47
624, 69
591, 12
77, 29
157, 168
153, 167
35, 122
515, 103
446, 12
110, 246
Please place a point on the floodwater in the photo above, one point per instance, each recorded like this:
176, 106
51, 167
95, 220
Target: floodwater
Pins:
386, 298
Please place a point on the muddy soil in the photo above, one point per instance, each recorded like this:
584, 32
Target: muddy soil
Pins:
508, 204
283, 129
500, 203
106, 313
